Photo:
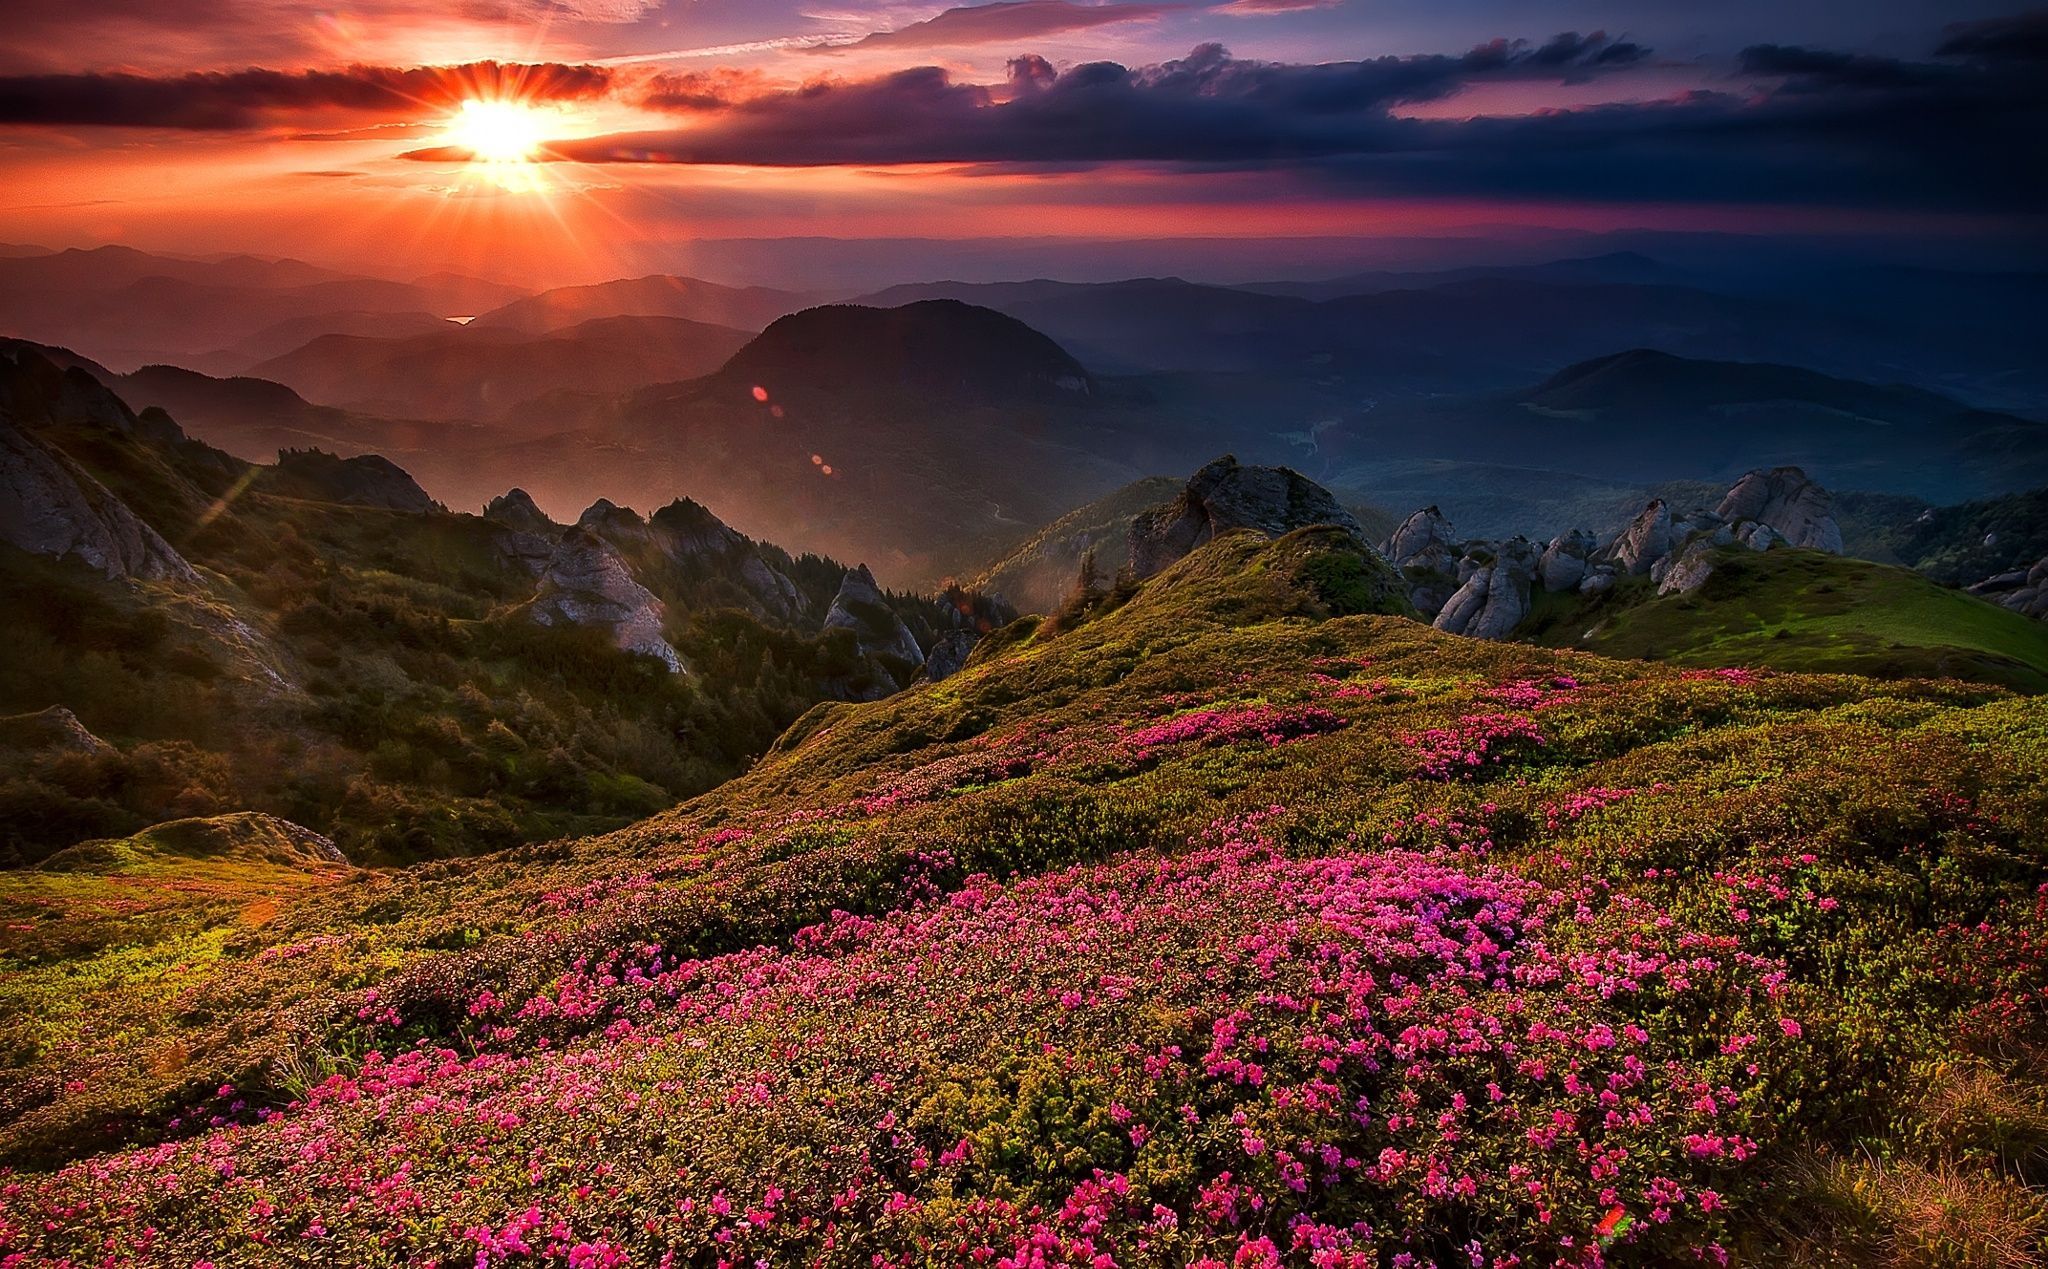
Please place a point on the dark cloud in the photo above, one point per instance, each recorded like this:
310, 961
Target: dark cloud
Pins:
1008, 20
219, 101
1959, 131
2023, 38
1205, 107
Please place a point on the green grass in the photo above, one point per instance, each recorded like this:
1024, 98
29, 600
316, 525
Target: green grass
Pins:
1802, 610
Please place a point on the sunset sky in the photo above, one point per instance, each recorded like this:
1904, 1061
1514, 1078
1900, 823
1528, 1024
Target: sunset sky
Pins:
614, 130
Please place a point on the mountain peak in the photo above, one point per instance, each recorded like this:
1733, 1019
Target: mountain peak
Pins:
945, 349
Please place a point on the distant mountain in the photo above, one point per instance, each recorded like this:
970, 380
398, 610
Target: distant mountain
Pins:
1644, 416
1619, 267
467, 372
941, 350
124, 307
659, 295
297, 332
253, 419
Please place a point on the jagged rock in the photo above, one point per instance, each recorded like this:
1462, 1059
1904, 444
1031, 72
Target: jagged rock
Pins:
2025, 593
1759, 537
878, 631
1425, 537
1424, 550
1563, 565
1646, 540
620, 526
777, 594
51, 506
949, 652
1686, 570
1495, 598
516, 510
368, 480
1226, 495
1787, 500
53, 729
587, 584
688, 531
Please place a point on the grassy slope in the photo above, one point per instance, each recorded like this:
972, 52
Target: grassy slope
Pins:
1802, 610
1083, 927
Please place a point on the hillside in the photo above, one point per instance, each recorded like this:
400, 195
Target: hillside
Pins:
1644, 416
319, 640
1226, 924
660, 295
1802, 610
468, 372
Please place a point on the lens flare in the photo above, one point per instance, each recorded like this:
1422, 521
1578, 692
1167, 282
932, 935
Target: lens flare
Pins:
497, 131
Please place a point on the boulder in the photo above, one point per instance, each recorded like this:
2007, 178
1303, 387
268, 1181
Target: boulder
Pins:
587, 584
51, 506
1686, 570
516, 510
2030, 596
878, 631
1226, 495
949, 652
1599, 580
1495, 597
1646, 540
1788, 501
1424, 550
1563, 564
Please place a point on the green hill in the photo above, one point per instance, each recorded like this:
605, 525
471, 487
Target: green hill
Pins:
1804, 610
1234, 922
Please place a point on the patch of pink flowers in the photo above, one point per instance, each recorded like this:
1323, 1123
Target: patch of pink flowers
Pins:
1474, 742
1274, 724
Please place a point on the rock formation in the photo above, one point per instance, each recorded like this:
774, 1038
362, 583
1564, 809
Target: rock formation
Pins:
1646, 540
1564, 561
1424, 550
1226, 495
1790, 503
51, 506
54, 729
1495, 596
587, 584
877, 630
516, 510
949, 653
2025, 591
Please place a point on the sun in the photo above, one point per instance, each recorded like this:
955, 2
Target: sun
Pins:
497, 131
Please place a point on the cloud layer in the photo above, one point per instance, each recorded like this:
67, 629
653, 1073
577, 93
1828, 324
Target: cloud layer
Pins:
220, 101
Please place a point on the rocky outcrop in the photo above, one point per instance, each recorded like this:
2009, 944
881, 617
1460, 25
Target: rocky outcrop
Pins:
516, 510
1495, 595
1646, 540
368, 480
1564, 561
51, 506
877, 630
2025, 591
1226, 495
1425, 551
1791, 504
52, 730
949, 653
587, 584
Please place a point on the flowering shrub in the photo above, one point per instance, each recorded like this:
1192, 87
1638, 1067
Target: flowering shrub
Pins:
1271, 723
1475, 742
991, 975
